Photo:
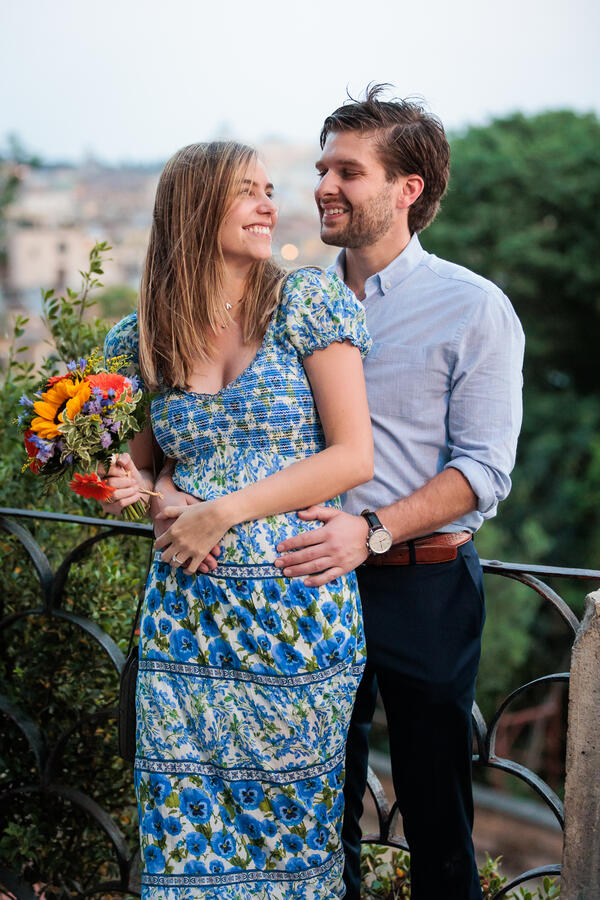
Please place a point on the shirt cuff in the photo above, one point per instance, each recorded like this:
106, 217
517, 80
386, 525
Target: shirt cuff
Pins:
480, 482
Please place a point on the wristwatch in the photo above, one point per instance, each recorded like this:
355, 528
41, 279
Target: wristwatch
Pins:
379, 540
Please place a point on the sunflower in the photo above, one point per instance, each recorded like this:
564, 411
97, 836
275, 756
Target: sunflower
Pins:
67, 394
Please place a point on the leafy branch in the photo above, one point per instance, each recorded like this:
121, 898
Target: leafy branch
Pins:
65, 317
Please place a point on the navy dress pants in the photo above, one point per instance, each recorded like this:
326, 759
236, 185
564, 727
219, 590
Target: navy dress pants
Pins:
423, 627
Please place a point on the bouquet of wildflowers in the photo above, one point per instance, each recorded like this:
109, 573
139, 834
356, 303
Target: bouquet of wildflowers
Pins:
81, 419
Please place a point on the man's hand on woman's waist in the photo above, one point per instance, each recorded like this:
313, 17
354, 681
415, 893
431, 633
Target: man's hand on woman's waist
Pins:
333, 550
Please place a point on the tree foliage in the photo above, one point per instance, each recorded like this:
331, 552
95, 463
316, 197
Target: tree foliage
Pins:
522, 211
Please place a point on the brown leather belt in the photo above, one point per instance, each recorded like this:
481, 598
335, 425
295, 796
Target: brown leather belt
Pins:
433, 548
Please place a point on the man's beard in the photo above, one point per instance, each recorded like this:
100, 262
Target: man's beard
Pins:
367, 224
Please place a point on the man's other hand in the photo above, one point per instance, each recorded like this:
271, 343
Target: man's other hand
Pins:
339, 546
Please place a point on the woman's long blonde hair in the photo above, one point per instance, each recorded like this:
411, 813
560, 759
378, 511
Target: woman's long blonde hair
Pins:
181, 295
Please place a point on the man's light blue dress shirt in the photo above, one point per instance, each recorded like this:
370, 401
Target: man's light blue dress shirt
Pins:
443, 381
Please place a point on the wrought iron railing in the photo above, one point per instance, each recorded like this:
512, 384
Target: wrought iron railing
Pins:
48, 759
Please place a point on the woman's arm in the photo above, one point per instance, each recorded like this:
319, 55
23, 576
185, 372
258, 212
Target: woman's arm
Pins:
134, 470
336, 377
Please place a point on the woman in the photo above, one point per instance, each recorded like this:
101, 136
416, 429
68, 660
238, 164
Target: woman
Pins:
247, 679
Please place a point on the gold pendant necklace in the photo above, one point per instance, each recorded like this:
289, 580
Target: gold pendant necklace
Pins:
229, 306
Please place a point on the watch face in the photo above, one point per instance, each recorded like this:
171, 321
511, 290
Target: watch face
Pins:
380, 541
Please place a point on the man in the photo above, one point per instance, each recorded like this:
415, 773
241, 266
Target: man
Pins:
444, 389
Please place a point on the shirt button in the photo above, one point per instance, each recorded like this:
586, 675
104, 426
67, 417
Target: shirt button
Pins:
387, 285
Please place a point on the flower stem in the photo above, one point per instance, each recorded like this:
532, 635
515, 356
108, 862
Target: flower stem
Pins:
135, 511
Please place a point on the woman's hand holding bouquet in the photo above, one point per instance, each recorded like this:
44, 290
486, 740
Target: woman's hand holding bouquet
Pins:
77, 424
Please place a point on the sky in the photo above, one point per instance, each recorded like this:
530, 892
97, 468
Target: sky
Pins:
132, 81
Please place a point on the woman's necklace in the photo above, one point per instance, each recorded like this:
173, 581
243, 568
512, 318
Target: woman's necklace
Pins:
229, 306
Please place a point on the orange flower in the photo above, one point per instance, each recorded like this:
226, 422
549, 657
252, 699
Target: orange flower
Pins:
54, 379
31, 449
108, 381
67, 393
91, 486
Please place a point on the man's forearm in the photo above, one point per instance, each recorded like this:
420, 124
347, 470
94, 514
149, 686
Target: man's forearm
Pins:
445, 498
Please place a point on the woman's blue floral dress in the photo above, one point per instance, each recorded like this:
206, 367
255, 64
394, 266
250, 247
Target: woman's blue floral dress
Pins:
247, 679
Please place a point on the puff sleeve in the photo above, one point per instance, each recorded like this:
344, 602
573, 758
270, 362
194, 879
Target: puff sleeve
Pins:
318, 309
123, 340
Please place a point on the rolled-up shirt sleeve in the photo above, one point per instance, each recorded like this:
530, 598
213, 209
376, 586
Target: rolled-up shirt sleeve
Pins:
485, 405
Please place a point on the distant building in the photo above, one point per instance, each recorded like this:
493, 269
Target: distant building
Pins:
44, 256
62, 210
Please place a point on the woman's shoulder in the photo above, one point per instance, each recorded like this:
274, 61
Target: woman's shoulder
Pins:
315, 286
123, 339
317, 308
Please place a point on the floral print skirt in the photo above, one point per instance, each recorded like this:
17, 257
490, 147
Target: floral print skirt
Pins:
245, 690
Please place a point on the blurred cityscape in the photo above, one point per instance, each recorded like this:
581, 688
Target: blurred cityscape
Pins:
61, 210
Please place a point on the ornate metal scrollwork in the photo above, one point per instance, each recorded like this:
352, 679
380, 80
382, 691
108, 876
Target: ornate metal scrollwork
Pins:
48, 758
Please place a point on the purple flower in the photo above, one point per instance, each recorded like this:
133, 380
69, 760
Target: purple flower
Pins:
82, 363
68, 459
25, 401
71, 366
93, 407
45, 450
135, 383
115, 427
105, 439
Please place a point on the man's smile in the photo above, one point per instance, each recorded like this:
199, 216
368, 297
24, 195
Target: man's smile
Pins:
332, 212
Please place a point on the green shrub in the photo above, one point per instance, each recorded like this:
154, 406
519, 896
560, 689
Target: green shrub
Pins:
385, 875
58, 676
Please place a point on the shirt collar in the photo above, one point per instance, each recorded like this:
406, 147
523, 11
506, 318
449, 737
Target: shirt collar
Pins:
390, 277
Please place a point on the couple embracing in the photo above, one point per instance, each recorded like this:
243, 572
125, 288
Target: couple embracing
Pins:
257, 681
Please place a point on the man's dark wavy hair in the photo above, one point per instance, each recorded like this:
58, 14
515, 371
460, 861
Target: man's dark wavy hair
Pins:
410, 141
